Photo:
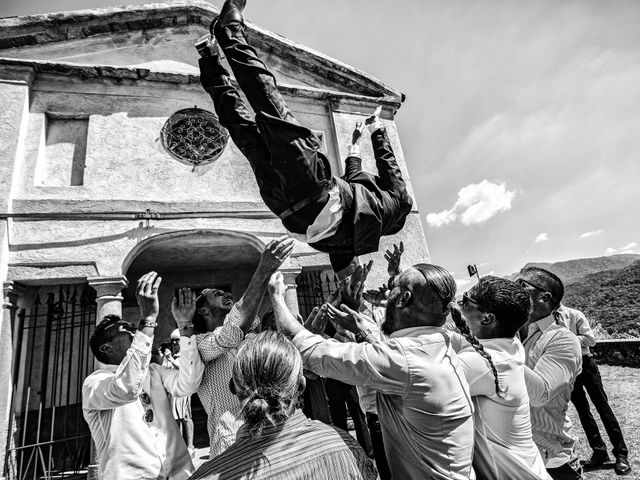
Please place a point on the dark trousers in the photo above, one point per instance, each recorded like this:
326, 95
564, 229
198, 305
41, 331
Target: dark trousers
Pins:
591, 381
564, 472
342, 397
291, 171
375, 430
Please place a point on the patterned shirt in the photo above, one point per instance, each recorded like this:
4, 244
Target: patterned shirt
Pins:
217, 350
423, 401
297, 449
128, 447
554, 361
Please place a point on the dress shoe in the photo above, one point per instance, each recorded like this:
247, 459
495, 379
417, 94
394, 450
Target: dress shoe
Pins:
622, 466
598, 458
231, 12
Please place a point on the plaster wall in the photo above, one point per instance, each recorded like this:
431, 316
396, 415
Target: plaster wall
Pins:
124, 158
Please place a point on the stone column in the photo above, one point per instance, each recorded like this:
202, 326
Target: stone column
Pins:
291, 295
12, 291
109, 302
109, 295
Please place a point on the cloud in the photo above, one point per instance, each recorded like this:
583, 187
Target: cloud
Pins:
628, 248
463, 283
591, 234
476, 203
543, 237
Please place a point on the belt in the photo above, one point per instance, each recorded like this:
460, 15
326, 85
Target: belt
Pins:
303, 203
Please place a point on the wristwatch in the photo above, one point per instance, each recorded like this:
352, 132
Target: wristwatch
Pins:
147, 324
362, 335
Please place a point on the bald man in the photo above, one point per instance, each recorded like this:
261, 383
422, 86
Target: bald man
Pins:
422, 395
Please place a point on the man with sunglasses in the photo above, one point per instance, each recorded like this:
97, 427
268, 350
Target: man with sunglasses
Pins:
422, 397
125, 401
553, 361
494, 310
221, 325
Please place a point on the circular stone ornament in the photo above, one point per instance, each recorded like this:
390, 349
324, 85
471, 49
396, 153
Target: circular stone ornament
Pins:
194, 136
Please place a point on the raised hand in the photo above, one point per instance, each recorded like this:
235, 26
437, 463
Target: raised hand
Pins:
276, 285
317, 320
184, 309
147, 296
351, 290
393, 259
375, 116
357, 133
276, 252
377, 298
346, 318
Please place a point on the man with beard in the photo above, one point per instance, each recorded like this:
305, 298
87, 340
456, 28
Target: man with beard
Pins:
422, 396
221, 326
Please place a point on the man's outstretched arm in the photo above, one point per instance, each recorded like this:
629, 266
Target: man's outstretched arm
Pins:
274, 254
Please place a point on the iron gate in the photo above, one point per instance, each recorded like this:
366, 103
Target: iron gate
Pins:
48, 435
314, 287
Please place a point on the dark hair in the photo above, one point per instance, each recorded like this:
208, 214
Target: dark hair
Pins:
475, 343
440, 281
507, 300
547, 280
199, 322
267, 378
269, 320
101, 335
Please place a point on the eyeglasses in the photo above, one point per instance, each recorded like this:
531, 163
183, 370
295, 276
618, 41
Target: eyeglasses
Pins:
146, 404
523, 283
467, 299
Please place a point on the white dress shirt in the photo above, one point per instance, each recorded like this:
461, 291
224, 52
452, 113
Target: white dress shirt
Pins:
578, 324
504, 447
423, 399
127, 446
553, 360
327, 221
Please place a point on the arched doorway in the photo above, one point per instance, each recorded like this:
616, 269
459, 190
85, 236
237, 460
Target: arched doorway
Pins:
194, 259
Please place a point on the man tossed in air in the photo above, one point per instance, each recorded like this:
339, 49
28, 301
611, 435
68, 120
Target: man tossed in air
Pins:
342, 216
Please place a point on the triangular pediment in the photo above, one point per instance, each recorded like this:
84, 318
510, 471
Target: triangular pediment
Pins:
160, 38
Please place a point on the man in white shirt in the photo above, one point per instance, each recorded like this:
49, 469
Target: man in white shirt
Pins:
553, 361
591, 381
125, 401
495, 309
221, 326
423, 399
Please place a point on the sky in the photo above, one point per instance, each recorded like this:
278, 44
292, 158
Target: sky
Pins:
521, 127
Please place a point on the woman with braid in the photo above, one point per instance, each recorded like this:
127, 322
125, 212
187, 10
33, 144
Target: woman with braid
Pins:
492, 359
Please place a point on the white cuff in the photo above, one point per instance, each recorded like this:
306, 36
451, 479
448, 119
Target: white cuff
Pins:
375, 126
354, 150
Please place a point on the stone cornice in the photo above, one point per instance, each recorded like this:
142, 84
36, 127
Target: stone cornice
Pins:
18, 32
135, 76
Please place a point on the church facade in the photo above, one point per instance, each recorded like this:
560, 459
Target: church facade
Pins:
90, 197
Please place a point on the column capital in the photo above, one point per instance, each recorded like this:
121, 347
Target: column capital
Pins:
290, 275
10, 293
108, 286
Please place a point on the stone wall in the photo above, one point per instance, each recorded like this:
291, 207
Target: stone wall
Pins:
623, 352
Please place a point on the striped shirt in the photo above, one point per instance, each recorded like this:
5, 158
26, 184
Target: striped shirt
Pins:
297, 449
553, 362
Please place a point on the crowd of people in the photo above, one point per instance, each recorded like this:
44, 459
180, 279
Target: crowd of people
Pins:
437, 388
477, 388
